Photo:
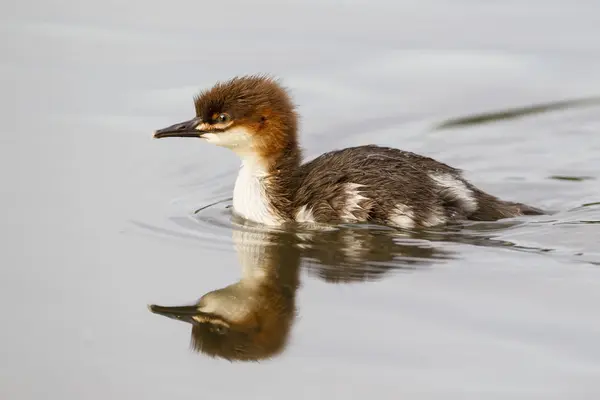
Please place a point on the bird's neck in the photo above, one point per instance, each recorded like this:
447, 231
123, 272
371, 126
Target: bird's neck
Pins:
266, 184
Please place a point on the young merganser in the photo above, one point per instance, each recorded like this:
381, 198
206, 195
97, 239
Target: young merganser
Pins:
255, 117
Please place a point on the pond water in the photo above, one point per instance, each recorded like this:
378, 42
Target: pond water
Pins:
99, 219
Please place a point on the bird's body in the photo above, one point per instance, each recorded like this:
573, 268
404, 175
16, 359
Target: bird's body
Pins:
254, 117
393, 187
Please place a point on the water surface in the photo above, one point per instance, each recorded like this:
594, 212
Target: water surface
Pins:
99, 219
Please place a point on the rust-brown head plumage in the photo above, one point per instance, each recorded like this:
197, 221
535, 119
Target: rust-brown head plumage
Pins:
257, 102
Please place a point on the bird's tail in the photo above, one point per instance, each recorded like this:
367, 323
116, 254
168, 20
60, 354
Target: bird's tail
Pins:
524, 209
492, 208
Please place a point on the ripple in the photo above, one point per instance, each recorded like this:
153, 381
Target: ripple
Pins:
360, 252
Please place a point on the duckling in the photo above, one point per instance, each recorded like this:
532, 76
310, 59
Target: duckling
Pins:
254, 116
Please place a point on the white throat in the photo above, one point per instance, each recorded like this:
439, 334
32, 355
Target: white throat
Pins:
249, 194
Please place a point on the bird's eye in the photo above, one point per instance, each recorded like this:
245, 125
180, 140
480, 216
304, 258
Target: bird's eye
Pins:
220, 329
223, 118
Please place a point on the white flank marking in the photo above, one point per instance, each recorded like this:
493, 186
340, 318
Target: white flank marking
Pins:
457, 189
353, 202
304, 214
403, 217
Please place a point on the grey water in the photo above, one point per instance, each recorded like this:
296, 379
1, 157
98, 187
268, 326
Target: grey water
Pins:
98, 218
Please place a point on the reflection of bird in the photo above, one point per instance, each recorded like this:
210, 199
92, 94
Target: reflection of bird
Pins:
255, 117
250, 319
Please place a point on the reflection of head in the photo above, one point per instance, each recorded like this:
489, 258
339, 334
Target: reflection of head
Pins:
250, 319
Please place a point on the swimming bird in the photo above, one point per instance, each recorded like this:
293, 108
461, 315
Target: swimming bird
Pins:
255, 117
